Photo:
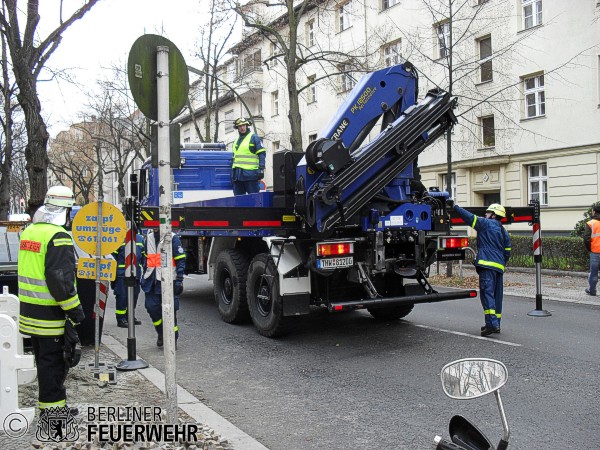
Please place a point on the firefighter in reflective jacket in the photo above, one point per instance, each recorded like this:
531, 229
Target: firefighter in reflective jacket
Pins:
120, 289
151, 284
248, 166
493, 253
47, 292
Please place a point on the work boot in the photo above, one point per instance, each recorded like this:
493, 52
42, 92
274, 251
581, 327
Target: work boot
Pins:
485, 326
159, 341
489, 330
588, 292
122, 323
137, 321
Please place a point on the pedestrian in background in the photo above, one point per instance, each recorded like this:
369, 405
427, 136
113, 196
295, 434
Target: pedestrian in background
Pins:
151, 283
120, 288
248, 166
493, 253
591, 239
47, 295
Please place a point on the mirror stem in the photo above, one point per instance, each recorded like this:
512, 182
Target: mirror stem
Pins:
506, 434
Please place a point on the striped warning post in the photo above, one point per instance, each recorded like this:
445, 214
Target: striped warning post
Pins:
537, 242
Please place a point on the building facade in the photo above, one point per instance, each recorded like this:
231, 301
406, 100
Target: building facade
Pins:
526, 74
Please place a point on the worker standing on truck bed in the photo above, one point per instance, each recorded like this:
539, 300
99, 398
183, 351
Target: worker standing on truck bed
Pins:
493, 252
49, 304
151, 283
248, 166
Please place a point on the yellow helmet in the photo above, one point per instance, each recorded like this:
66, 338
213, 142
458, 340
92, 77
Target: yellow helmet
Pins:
240, 121
497, 209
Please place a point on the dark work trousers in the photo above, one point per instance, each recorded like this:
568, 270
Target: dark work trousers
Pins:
154, 308
246, 187
51, 371
121, 291
491, 291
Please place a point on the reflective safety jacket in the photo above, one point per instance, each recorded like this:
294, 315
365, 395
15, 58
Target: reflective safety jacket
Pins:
591, 234
248, 153
47, 292
150, 282
119, 256
493, 241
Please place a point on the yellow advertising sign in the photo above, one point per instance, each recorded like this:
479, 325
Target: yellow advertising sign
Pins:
85, 229
86, 268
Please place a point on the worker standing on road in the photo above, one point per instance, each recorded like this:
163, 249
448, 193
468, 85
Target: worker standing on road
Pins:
151, 280
120, 289
493, 253
591, 239
47, 294
248, 166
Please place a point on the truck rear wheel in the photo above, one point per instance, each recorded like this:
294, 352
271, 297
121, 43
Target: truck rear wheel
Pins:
230, 286
391, 312
264, 301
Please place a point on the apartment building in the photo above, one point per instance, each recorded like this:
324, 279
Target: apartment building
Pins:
526, 72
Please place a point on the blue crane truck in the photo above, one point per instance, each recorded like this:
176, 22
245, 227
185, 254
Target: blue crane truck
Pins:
348, 224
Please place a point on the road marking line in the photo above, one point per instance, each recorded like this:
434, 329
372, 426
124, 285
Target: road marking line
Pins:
459, 333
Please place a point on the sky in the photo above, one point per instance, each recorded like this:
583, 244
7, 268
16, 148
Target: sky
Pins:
103, 37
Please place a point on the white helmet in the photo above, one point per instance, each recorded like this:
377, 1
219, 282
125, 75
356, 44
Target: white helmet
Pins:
60, 196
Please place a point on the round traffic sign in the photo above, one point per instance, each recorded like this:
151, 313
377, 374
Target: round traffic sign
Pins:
142, 71
112, 231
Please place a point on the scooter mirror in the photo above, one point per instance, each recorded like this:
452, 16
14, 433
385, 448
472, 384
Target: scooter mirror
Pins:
473, 377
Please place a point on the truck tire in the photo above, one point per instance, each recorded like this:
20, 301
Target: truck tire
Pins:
230, 286
264, 301
391, 312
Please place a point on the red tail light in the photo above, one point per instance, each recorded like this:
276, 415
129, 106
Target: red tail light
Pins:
335, 248
455, 242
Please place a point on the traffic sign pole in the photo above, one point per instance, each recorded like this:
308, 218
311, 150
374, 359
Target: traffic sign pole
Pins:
166, 251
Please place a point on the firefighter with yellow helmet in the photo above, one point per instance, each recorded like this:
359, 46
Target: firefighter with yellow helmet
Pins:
248, 166
493, 253
49, 304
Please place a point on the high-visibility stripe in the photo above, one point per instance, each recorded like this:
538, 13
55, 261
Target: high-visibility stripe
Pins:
69, 303
498, 315
120, 312
41, 322
489, 311
261, 223
29, 280
61, 242
40, 331
57, 404
508, 248
179, 257
176, 328
157, 323
490, 264
474, 221
37, 295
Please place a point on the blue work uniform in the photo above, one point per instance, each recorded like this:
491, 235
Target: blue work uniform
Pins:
152, 286
248, 164
493, 253
120, 289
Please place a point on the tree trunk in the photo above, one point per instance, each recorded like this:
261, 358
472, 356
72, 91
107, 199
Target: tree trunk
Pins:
6, 166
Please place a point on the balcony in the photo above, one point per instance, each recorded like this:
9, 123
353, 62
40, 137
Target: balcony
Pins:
249, 82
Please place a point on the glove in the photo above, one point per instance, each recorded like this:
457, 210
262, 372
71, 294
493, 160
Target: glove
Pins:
261, 174
72, 346
178, 287
450, 203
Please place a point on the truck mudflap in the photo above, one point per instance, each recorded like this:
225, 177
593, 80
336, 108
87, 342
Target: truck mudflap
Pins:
403, 300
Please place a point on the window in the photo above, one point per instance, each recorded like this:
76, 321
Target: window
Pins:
485, 59
251, 62
452, 186
229, 116
532, 13
538, 183
275, 146
443, 37
488, 136
231, 72
310, 33
535, 99
272, 52
392, 54
389, 3
312, 89
312, 138
275, 103
186, 135
344, 16
347, 80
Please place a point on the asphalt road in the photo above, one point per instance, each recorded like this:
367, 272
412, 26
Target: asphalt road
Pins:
348, 382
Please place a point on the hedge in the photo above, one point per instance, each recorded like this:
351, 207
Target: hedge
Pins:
558, 253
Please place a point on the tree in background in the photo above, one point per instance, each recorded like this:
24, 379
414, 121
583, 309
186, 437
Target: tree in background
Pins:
29, 53
580, 226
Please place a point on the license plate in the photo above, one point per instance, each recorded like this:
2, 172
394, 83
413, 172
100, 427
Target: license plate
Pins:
335, 263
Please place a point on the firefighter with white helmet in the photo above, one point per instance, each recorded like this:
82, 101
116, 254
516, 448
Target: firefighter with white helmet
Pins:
493, 253
248, 166
49, 304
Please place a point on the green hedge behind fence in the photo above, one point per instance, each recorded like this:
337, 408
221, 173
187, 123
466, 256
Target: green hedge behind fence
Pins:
558, 253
